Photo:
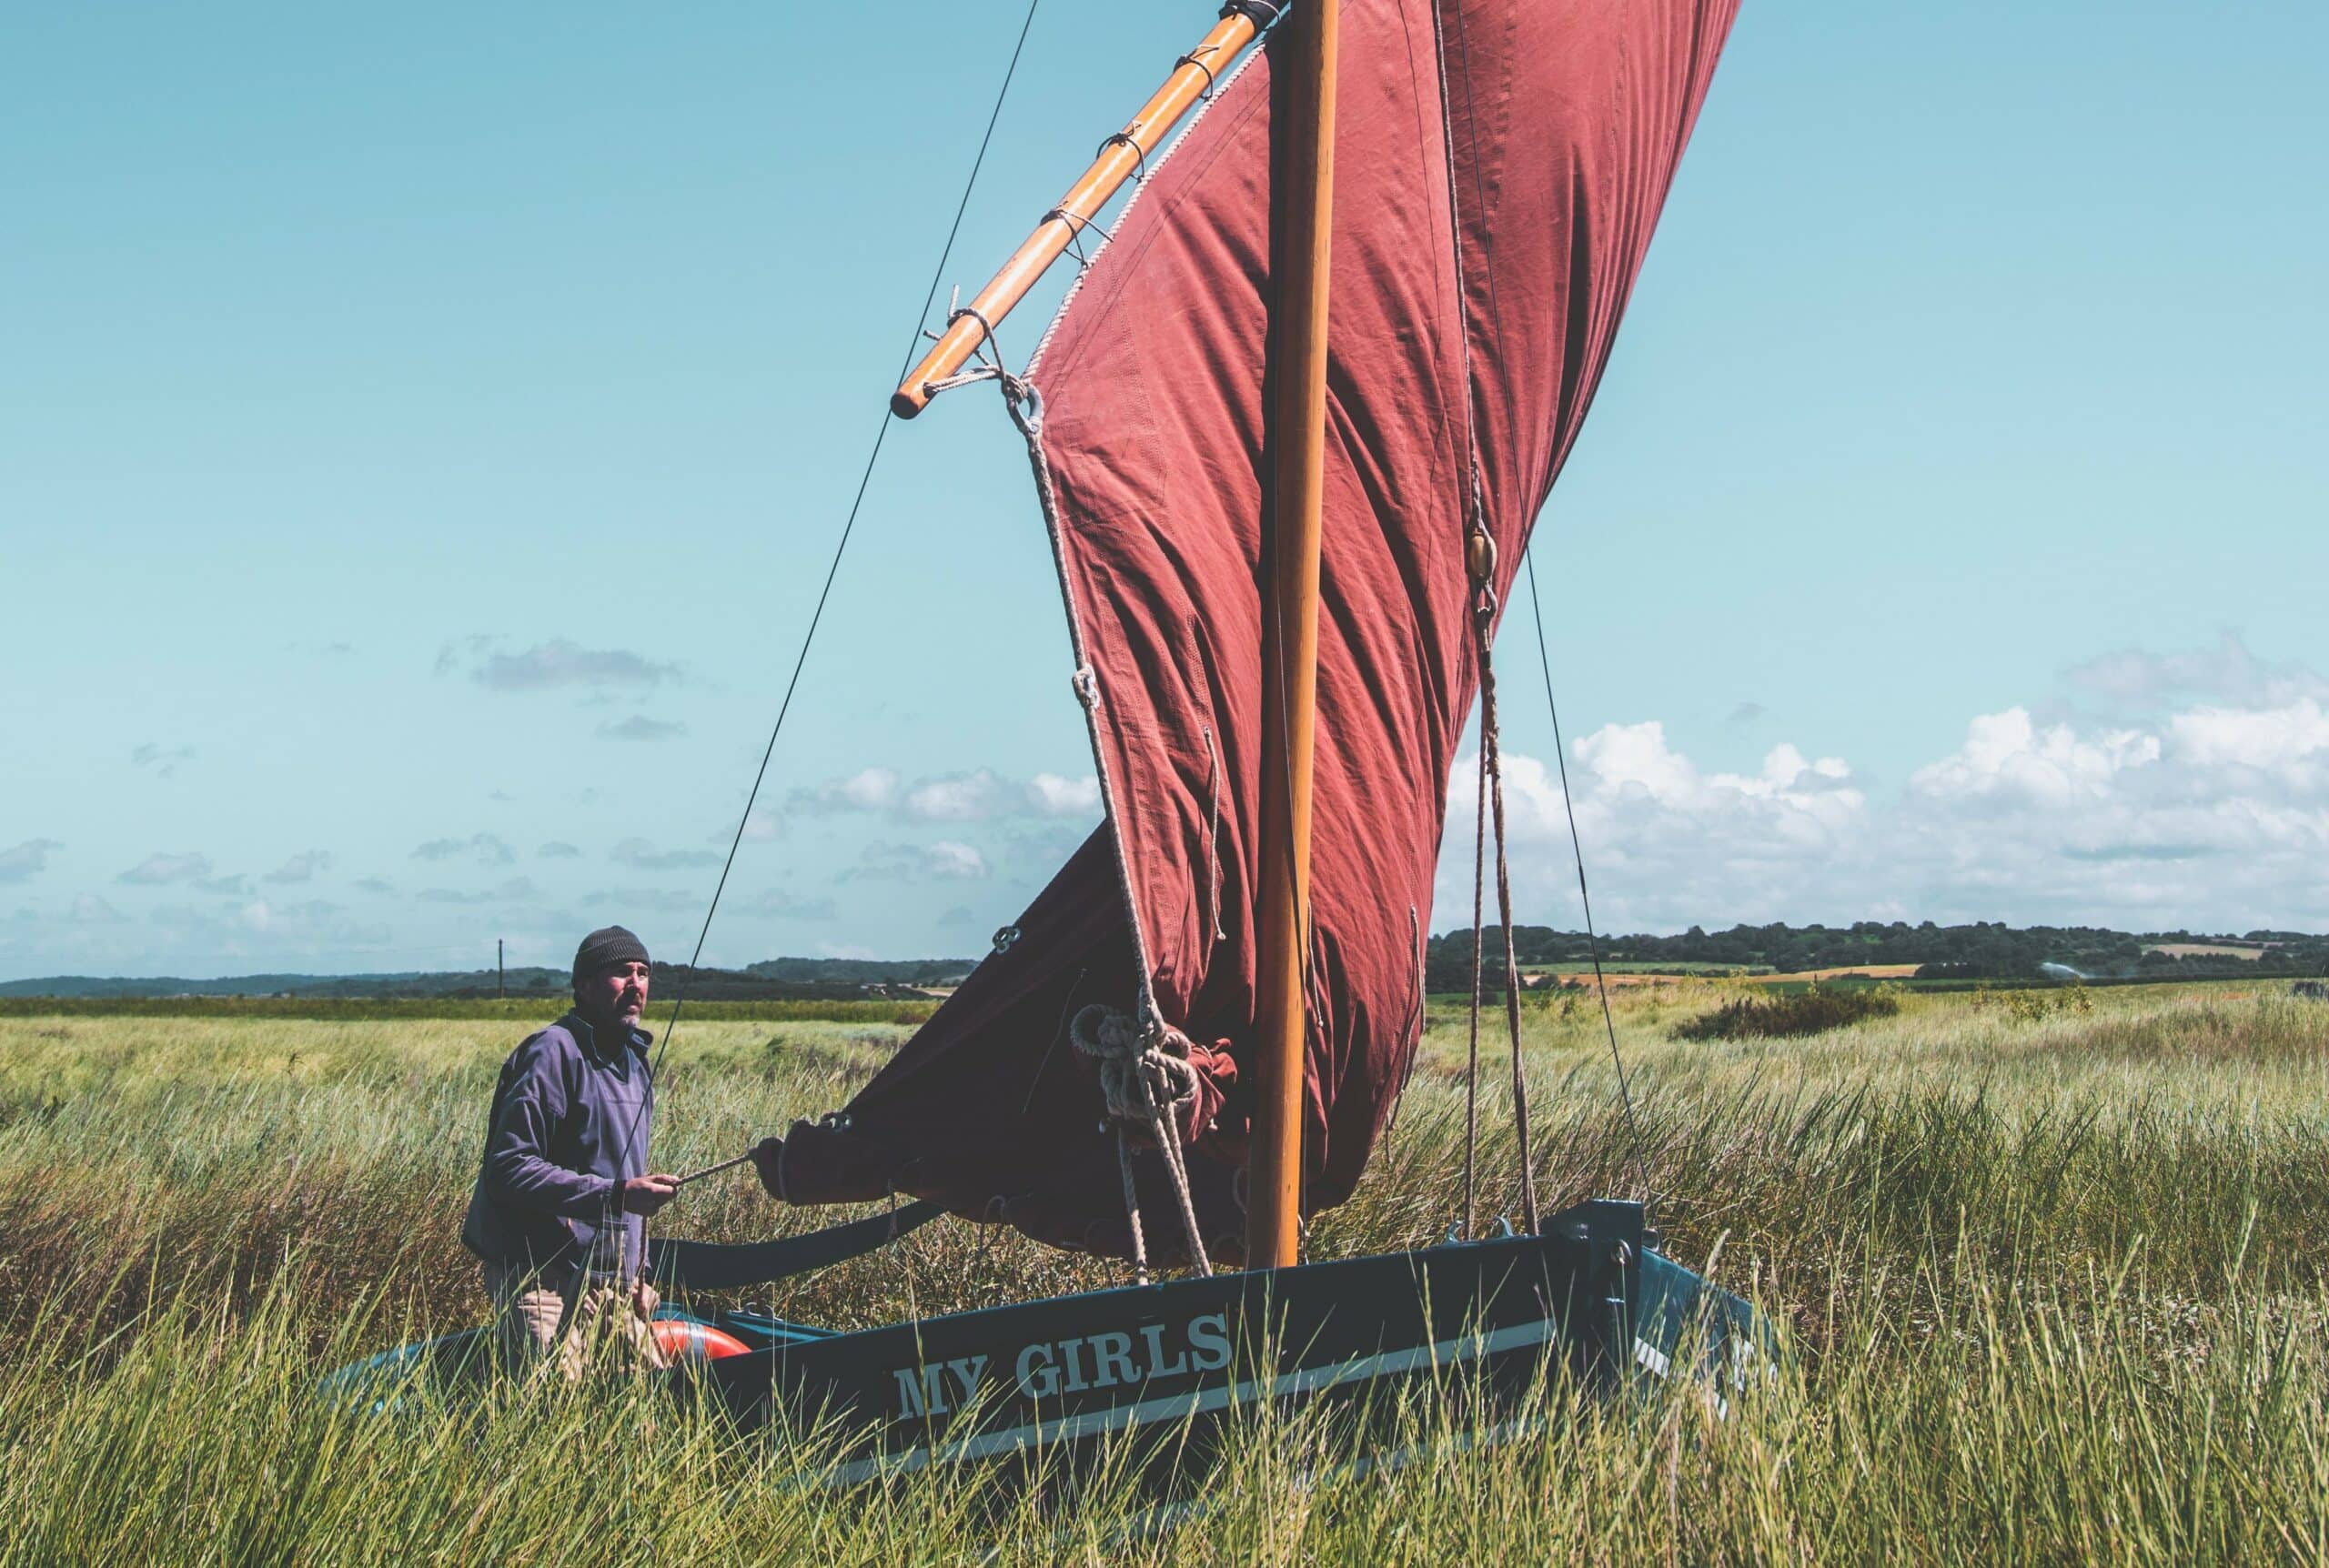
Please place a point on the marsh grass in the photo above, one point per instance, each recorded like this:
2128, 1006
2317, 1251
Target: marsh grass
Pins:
2053, 1286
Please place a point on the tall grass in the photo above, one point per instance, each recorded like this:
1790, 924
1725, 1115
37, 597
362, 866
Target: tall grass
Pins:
2054, 1285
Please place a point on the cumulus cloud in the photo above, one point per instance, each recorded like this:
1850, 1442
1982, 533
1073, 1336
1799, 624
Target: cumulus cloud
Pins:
2215, 815
559, 850
2227, 673
661, 900
514, 890
88, 910
547, 666
1748, 712
375, 885
300, 867
872, 790
946, 860
639, 727
485, 849
1053, 795
641, 855
981, 794
238, 886
159, 869
27, 859
778, 903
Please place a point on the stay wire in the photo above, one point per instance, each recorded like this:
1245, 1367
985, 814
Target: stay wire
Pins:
840, 548
1583, 895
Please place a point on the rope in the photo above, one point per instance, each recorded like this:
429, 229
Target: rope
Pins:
1145, 1077
817, 616
1492, 768
1583, 895
1472, 1071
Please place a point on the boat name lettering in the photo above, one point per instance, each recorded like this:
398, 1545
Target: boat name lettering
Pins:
1048, 1368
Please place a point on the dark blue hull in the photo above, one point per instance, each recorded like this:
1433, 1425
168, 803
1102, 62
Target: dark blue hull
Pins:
1591, 1292
1049, 1374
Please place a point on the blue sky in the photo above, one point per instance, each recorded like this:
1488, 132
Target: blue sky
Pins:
421, 436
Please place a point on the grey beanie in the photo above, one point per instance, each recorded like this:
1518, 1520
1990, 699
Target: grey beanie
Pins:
604, 949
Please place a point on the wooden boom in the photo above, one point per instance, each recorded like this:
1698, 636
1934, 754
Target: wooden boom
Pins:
1121, 156
1297, 441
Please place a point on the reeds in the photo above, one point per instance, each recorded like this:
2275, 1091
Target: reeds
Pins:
2055, 1290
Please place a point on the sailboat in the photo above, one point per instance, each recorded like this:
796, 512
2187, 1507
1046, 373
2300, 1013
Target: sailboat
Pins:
1290, 430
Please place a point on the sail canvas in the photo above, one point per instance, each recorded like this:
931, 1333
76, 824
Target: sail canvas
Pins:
1500, 171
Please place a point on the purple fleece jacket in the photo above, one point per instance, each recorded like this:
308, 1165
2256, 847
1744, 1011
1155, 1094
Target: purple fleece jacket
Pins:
569, 1124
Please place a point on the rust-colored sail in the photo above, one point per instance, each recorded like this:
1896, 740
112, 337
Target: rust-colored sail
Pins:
1559, 123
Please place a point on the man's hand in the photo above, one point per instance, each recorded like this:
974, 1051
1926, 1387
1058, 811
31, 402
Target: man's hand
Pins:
646, 1194
768, 1159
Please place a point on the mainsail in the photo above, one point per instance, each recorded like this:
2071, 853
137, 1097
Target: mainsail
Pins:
1501, 167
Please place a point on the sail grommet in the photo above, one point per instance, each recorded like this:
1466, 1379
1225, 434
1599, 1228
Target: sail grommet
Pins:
1003, 936
1086, 682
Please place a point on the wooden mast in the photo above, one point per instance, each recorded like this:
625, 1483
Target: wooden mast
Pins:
1297, 377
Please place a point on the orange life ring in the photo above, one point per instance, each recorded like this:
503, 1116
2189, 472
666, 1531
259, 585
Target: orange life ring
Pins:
682, 1340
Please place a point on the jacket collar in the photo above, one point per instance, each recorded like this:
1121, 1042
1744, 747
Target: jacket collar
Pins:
587, 1037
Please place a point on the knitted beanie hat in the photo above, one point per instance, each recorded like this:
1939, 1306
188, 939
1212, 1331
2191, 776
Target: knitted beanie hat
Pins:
606, 948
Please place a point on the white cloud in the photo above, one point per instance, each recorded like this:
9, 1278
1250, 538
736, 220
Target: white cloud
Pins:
300, 867
957, 798
2006, 755
641, 855
1054, 796
639, 727
28, 858
946, 860
2215, 816
981, 794
871, 790
485, 849
2228, 672
552, 664
2290, 741
158, 870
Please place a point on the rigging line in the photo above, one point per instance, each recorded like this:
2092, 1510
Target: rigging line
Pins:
840, 548
1560, 754
1585, 896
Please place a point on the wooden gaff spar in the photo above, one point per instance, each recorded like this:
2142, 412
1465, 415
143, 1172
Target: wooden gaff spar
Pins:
1121, 156
1255, 519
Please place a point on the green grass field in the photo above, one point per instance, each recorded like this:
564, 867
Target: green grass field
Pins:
2052, 1275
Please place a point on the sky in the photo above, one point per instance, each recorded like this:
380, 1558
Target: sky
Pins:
423, 433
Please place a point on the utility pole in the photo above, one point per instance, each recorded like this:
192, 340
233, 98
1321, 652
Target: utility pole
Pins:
501, 973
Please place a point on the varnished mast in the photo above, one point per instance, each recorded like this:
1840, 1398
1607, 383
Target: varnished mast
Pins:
1290, 634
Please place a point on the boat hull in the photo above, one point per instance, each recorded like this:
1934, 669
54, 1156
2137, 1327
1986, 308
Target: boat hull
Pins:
1589, 1291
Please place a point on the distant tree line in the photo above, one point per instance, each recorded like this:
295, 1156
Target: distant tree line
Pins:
1985, 949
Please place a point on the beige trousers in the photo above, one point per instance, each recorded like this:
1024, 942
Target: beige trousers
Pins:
611, 1328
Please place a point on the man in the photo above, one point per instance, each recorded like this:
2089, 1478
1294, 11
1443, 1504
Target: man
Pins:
558, 1214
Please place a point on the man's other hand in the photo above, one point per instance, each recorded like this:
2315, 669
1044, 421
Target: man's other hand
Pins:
768, 1159
645, 1194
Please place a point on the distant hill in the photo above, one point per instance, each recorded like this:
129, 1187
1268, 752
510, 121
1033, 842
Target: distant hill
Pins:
776, 980
1982, 951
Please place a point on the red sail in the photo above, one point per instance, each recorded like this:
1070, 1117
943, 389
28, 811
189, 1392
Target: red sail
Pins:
1563, 122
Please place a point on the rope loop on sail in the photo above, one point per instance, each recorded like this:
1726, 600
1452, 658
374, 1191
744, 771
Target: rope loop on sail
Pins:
1146, 1078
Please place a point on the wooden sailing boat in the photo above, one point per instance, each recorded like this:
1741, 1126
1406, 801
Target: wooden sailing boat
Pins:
1290, 431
